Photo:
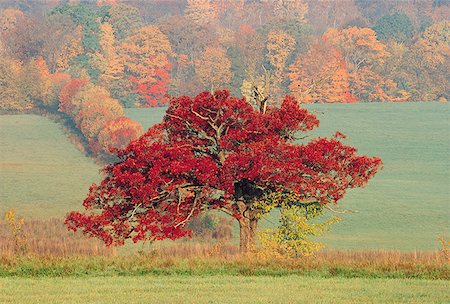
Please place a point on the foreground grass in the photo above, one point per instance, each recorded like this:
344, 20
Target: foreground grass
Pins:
220, 289
325, 265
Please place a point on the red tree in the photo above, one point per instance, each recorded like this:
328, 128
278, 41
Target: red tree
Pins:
118, 133
154, 92
218, 152
67, 94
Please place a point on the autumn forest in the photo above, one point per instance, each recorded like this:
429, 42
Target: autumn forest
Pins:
87, 61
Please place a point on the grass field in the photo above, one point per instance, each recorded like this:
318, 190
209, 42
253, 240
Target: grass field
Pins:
220, 289
41, 173
405, 207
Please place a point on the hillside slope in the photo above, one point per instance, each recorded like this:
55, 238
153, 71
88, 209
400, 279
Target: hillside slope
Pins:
41, 173
407, 204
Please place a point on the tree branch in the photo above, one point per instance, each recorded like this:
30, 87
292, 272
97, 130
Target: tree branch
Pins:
315, 84
198, 115
225, 210
190, 213
339, 212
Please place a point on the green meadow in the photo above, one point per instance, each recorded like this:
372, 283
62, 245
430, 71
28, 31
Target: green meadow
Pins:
221, 289
41, 173
406, 206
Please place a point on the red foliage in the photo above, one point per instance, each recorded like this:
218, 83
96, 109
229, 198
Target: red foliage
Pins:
118, 133
216, 151
67, 94
59, 79
154, 92
93, 116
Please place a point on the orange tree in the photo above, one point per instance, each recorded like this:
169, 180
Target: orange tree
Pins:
320, 75
146, 57
216, 151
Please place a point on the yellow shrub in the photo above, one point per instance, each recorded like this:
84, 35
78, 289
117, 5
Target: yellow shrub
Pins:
18, 235
295, 234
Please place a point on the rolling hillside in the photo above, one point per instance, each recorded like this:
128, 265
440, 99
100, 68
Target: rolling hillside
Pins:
406, 206
41, 173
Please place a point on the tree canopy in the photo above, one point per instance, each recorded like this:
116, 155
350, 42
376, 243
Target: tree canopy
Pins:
216, 151
397, 26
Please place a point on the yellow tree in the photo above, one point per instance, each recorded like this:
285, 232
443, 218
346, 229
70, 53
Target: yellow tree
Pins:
428, 61
145, 51
110, 64
292, 9
88, 94
397, 69
60, 34
93, 109
58, 81
36, 83
69, 49
213, 68
436, 43
94, 115
279, 47
11, 97
146, 57
364, 57
202, 12
369, 85
359, 46
257, 90
250, 45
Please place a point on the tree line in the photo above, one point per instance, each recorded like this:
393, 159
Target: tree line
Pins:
318, 51
87, 61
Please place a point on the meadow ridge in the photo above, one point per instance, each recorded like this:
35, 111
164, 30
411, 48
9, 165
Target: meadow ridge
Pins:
405, 207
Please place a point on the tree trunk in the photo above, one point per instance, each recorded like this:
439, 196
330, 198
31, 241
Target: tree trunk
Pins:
247, 234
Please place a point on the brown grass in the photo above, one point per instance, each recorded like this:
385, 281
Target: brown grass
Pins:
51, 247
51, 238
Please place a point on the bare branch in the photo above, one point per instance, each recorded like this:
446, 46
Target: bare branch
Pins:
178, 117
134, 210
318, 82
339, 212
199, 115
191, 212
223, 209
